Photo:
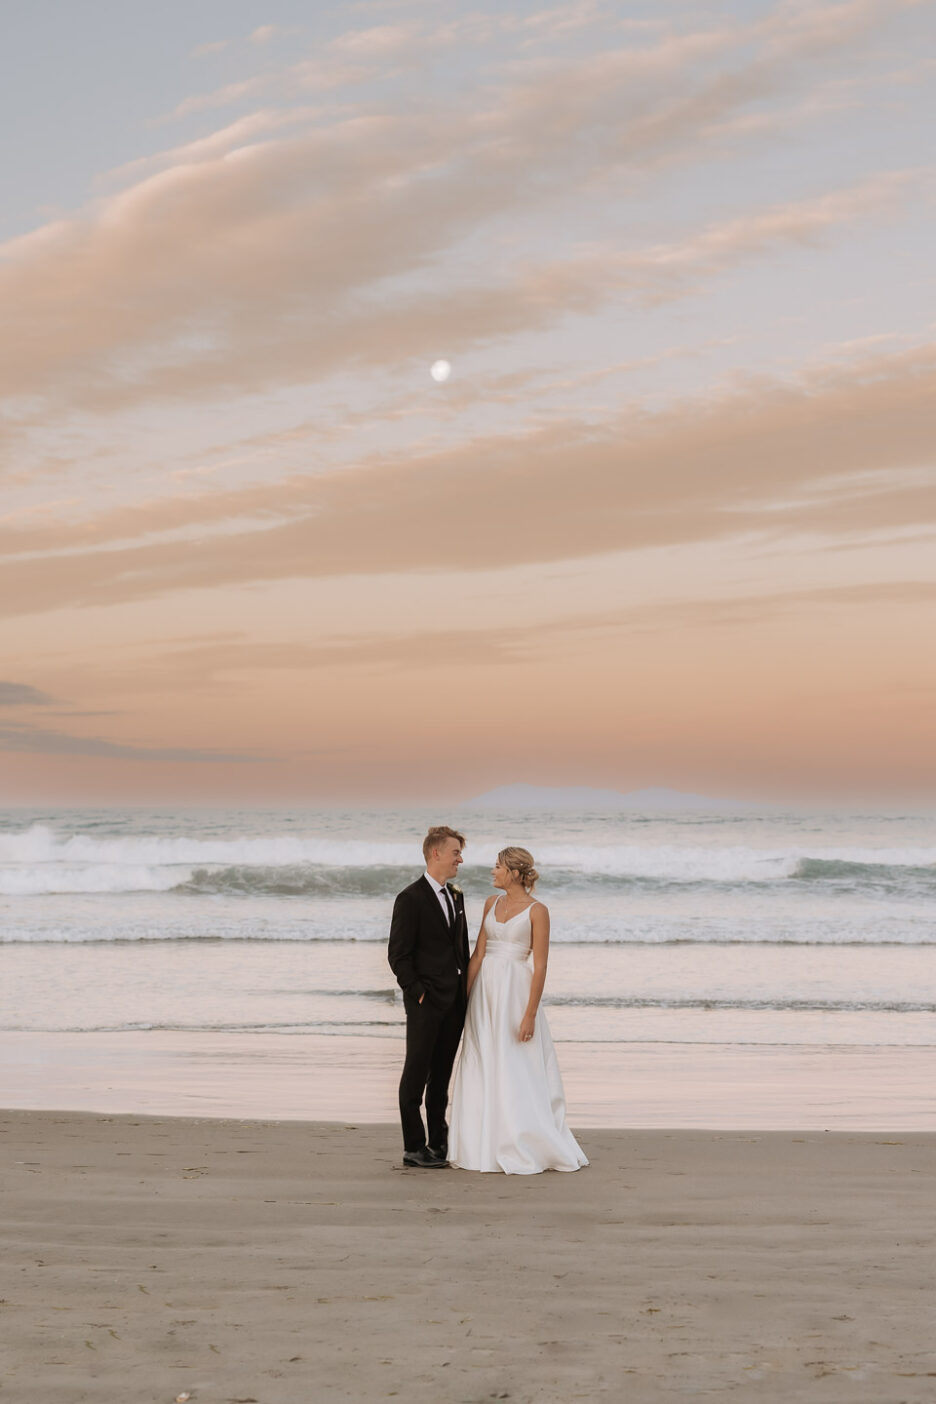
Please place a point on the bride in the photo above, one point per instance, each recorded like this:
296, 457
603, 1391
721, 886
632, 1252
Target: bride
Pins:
508, 1107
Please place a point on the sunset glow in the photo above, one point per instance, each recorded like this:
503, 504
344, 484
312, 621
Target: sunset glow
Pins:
671, 523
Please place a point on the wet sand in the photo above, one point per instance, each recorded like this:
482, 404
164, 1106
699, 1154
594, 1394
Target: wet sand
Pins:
319, 1077
283, 1262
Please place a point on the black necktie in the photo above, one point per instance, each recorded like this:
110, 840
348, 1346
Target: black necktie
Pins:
448, 906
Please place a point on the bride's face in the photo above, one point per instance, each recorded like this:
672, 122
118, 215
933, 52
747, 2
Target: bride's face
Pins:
501, 876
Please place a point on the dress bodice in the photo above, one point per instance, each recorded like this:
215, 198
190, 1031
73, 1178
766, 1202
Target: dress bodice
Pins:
513, 938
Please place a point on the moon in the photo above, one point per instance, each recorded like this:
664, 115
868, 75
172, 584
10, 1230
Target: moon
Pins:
440, 371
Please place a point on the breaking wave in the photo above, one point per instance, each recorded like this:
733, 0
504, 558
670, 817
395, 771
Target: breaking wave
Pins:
38, 861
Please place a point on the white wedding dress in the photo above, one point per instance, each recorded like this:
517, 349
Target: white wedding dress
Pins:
508, 1106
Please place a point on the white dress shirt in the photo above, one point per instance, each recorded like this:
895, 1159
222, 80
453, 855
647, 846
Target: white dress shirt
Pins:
447, 911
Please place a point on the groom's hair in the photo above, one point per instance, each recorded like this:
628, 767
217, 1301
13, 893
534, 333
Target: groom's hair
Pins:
437, 836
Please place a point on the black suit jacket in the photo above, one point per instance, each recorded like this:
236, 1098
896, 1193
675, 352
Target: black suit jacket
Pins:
425, 953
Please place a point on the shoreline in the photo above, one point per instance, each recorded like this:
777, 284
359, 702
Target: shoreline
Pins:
303, 1077
278, 1262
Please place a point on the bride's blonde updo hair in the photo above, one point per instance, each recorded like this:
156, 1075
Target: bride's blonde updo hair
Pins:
520, 861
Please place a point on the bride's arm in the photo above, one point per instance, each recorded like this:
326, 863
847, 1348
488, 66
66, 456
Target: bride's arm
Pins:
474, 964
539, 921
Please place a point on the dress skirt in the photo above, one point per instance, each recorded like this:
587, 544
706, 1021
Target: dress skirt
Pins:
508, 1105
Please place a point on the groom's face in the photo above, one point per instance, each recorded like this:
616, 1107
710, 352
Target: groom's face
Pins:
449, 857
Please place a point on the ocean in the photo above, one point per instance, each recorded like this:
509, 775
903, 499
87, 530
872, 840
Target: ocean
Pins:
728, 929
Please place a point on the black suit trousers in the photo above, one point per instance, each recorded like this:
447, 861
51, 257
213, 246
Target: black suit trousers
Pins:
432, 1036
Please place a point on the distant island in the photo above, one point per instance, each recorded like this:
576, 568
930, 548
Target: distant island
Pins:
655, 800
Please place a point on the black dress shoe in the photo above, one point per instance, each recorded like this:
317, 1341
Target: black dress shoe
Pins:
423, 1159
440, 1152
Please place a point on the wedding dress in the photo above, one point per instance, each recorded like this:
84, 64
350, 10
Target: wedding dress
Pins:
508, 1106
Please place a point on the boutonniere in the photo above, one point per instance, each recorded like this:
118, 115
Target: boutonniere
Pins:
454, 887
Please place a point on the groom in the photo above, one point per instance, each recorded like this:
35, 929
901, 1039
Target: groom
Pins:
428, 954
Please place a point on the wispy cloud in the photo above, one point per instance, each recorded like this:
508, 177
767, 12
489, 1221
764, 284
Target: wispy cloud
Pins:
23, 695
256, 256
244, 131
429, 649
190, 281
265, 32
219, 97
835, 454
37, 741
556, 22
216, 46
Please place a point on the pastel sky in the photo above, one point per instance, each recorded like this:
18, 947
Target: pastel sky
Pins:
671, 520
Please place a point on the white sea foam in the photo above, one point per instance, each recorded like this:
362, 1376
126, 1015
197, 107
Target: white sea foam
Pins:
61, 878
707, 863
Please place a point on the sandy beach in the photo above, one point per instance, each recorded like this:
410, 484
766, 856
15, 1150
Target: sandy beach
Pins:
150, 1258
